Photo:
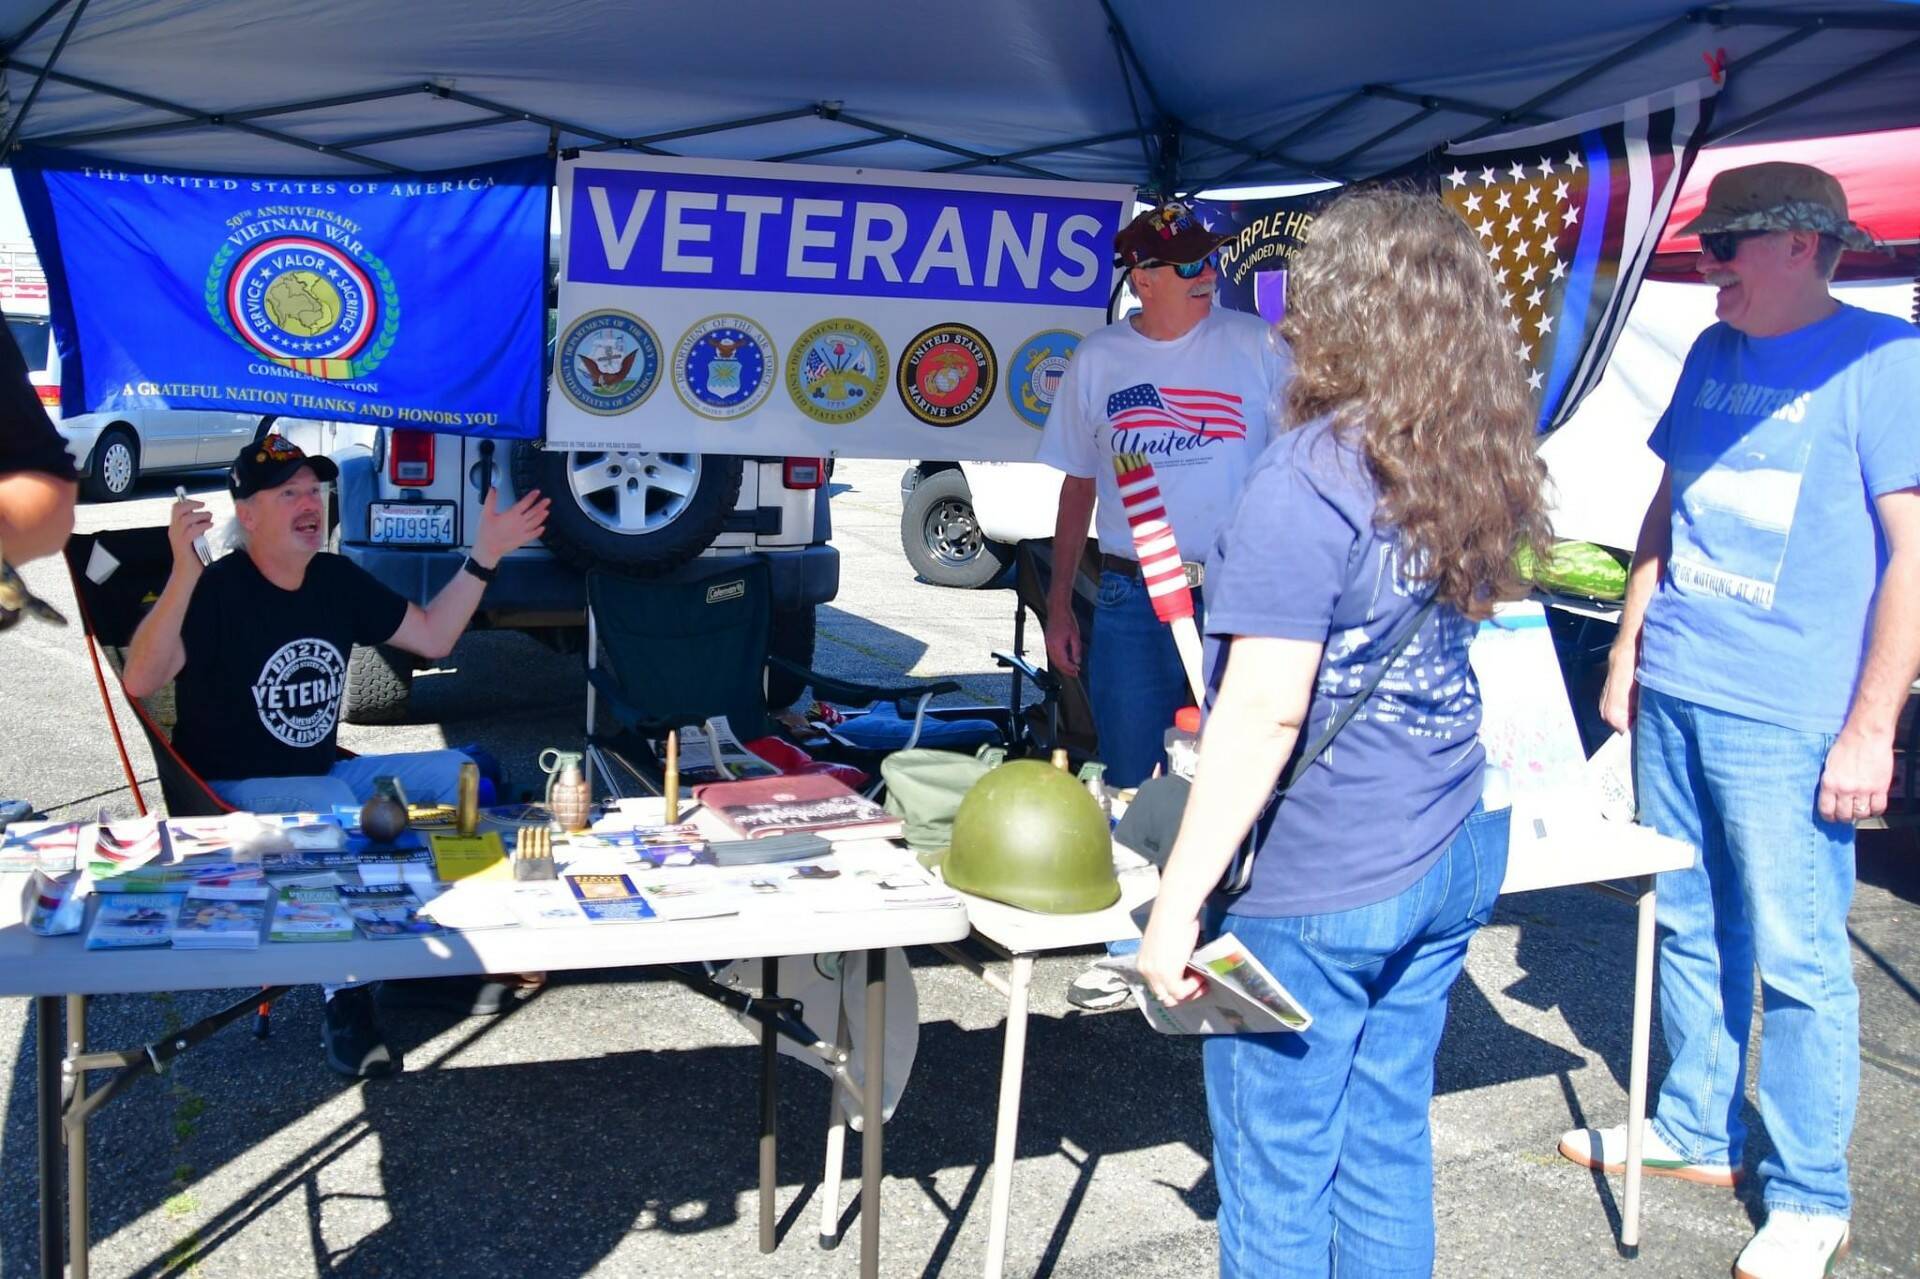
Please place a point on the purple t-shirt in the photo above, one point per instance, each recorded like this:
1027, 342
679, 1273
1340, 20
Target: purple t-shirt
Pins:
1301, 559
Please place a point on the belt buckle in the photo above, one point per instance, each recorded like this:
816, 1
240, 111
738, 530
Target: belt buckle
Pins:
1196, 574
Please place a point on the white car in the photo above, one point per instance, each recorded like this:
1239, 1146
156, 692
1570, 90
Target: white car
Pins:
959, 521
112, 450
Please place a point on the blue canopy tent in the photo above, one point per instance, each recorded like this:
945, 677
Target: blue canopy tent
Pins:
1094, 89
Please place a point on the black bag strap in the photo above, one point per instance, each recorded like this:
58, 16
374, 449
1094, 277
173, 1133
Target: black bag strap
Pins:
1347, 712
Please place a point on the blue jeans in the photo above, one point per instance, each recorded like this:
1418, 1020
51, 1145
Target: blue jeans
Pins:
427, 777
1770, 886
1135, 683
1321, 1147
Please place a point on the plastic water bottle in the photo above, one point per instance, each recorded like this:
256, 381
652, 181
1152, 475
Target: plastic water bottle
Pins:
1183, 743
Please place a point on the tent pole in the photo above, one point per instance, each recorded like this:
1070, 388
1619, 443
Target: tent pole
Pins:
1793, 100
39, 81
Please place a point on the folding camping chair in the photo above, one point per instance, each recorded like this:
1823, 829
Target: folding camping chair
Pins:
1063, 718
680, 651
117, 574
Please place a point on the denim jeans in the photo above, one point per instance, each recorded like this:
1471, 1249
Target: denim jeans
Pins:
1770, 886
1321, 1147
427, 777
1135, 682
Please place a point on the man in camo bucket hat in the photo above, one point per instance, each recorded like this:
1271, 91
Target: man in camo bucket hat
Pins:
1784, 537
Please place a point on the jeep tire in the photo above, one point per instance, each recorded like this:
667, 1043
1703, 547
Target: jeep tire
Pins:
647, 513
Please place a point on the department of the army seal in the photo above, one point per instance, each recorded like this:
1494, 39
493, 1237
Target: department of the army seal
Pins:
721, 368
607, 362
947, 375
1034, 373
837, 371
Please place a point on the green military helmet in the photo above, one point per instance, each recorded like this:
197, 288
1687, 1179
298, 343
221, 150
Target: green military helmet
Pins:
1029, 835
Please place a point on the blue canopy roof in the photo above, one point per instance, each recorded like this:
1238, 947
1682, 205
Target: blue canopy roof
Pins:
1100, 89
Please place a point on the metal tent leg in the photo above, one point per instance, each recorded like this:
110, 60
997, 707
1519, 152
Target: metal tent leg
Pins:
769, 1116
873, 1102
79, 1229
1013, 1065
836, 1161
1643, 982
47, 1061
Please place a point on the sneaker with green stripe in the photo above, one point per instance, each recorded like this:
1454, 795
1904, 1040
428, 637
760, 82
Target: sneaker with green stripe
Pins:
1606, 1149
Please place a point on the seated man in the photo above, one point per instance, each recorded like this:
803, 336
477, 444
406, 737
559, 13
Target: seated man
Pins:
258, 644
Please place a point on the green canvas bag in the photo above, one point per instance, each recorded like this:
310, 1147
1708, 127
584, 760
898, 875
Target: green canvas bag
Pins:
925, 787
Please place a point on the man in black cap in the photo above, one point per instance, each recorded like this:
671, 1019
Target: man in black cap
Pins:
257, 644
1190, 386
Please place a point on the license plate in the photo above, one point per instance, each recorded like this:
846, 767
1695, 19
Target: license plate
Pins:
411, 523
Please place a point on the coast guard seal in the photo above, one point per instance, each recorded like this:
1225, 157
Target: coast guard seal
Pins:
947, 375
607, 362
837, 371
720, 367
1034, 373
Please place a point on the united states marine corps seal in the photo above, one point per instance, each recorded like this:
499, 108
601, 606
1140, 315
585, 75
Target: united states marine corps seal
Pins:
947, 375
607, 362
1034, 373
721, 367
837, 371
305, 292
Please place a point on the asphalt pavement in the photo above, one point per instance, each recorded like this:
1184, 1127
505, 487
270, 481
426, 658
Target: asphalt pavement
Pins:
606, 1126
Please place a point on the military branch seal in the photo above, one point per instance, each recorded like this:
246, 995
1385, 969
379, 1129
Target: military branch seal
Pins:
1034, 373
947, 375
837, 371
722, 367
607, 362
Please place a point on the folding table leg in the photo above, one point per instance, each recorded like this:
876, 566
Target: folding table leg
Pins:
46, 1059
872, 1114
79, 1228
1006, 1133
769, 1081
1643, 977
836, 1149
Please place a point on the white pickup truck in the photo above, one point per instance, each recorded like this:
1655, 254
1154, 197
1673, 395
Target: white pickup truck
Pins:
959, 521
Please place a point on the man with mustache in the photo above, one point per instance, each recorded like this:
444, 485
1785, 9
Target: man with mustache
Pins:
1770, 634
257, 643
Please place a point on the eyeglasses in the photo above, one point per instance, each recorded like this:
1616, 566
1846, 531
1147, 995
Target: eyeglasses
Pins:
1188, 270
1723, 245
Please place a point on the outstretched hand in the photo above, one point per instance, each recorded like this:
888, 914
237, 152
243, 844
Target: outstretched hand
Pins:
504, 531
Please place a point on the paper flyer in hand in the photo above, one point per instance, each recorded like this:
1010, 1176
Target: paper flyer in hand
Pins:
1240, 995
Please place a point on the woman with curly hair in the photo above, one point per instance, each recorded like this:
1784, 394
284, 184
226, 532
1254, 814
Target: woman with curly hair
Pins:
1407, 474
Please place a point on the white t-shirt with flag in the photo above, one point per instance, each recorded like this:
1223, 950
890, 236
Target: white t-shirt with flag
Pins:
1197, 407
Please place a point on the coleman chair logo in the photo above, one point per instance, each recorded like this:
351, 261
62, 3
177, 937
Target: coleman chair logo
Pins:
727, 591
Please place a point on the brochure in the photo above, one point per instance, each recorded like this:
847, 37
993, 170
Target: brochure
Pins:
56, 907
470, 905
1240, 994
386, 912
681, 844
311, 914
52, 847
134, 919
609, 899
120, 846
221, 922
544, 904
480, 856
711, 752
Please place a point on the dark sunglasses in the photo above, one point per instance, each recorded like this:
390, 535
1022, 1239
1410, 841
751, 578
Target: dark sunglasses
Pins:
1723, 245
1189, 270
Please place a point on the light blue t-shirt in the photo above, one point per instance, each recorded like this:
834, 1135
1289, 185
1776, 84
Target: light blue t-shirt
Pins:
1302, 558
1778, 448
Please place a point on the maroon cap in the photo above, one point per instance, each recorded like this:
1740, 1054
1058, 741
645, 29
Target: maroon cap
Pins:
1169, 235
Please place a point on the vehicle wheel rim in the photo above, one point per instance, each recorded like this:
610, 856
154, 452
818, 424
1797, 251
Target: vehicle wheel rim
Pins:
953, 535
116, 466
633, 493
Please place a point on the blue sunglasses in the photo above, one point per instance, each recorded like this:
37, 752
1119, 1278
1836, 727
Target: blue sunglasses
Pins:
1189, 270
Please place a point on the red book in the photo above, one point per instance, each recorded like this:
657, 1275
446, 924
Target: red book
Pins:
814, 802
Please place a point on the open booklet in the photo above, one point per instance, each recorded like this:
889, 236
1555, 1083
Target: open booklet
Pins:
1240, 994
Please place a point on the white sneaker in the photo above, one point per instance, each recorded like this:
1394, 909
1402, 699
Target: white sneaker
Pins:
1606, 1149
1098, 989
1794, 1245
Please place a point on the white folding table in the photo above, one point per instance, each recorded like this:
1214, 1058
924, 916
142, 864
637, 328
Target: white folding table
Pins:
50, 969
1598, 853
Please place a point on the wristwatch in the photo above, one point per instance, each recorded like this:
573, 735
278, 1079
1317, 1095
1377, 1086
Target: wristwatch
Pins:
471, 565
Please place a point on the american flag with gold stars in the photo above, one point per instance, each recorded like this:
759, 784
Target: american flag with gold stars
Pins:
1568, 214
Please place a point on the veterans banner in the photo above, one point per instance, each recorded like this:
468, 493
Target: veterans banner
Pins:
737, 307
414, 300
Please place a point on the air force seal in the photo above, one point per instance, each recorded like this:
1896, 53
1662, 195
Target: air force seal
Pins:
607, 362
721, 367
837, 371
947, 375
1034, 373
302, 290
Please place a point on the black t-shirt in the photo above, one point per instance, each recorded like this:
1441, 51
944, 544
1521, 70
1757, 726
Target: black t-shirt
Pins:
266, 668
28, 441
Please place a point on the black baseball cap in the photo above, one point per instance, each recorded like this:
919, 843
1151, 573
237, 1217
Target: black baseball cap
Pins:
270, 462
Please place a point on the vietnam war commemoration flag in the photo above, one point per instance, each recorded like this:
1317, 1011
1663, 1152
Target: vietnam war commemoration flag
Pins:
1568, 214
397, 300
